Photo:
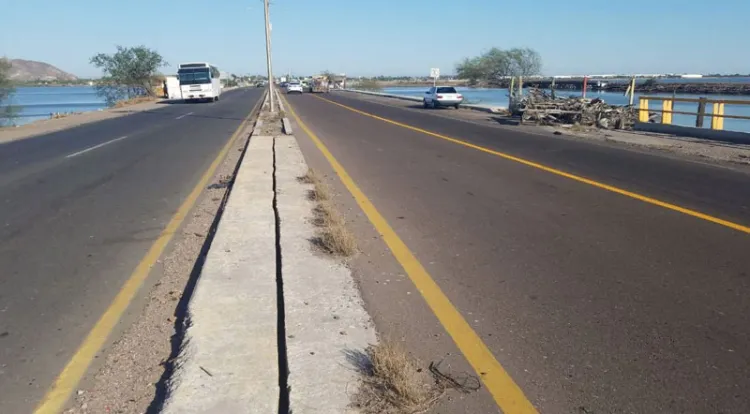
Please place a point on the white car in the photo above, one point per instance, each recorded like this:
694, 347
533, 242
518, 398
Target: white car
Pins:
439, 96
293, 87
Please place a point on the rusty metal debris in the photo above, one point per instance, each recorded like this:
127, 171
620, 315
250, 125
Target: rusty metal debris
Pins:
540, 107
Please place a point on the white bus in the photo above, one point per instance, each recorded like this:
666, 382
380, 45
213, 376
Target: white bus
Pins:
199, 81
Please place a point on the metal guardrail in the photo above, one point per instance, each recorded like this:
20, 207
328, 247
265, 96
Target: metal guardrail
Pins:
717, 111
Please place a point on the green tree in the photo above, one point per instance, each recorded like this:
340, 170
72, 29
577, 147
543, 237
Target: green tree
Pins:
128, 73
496, 65
524, 62
7, 111
471, 70
232, 81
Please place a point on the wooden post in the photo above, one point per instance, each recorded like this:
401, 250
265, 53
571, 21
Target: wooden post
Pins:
552, 87
585, 85
520, 87
632, 91
510, 93
701, 113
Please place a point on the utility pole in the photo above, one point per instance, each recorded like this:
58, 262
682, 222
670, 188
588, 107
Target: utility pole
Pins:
268, 57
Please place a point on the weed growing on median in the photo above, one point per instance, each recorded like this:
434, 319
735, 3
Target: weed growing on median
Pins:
334, 237
393, 382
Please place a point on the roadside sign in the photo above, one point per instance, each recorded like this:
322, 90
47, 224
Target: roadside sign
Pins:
435, 72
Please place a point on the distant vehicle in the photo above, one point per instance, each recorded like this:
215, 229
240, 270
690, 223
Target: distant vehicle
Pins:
442, 96
307, 86
294, 87
260, 84
320, 84
199, 81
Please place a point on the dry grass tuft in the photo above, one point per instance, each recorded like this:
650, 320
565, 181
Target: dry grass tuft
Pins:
334, 237
321, 191
393, 382
133, 101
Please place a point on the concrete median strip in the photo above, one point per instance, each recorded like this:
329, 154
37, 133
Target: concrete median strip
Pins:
229, 358
272, 320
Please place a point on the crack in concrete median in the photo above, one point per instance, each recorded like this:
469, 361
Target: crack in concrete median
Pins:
182, 316
284, 390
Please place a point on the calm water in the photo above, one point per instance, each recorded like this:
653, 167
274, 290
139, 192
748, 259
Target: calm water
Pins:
36, 103
499, 97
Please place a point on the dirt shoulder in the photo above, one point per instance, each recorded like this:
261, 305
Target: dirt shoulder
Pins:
46, 126
698, 149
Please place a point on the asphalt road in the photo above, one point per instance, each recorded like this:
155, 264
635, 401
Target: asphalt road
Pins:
593, 302
79, 208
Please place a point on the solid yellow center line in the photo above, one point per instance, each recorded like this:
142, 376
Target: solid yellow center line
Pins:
643, 198
58, 394
507, 394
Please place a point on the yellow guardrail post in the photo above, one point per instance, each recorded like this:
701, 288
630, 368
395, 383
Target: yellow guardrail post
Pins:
643, 113
666, 115
721, 118
717, 116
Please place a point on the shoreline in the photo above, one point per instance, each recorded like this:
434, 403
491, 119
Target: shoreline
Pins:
65, 121
684, 89
692, 88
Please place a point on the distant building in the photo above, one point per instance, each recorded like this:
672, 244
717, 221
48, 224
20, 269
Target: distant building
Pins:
691, 76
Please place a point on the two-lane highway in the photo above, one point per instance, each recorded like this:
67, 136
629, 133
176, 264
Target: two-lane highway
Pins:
603, 280
79, 208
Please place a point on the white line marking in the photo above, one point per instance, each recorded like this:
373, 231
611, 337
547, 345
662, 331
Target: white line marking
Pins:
182, 116
95, 147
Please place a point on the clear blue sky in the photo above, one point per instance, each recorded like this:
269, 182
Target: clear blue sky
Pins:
392, 37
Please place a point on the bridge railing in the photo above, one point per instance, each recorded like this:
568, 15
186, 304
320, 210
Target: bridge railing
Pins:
717, 114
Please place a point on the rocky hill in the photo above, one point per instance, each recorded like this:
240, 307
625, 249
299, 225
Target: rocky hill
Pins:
29, 70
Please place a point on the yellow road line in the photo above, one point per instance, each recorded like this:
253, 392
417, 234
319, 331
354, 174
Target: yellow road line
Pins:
645, 199
507, 394
57, 395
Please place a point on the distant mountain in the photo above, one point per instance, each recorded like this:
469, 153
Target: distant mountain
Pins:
29, 70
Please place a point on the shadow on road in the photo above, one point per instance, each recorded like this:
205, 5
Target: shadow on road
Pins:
506, 120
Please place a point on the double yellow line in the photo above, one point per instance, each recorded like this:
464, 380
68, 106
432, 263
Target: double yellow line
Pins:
506, 393
645, 199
